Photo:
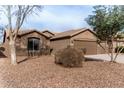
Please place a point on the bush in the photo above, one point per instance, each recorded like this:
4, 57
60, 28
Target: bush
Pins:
57, 57
118, 48
2, 49
69, 57
46, 51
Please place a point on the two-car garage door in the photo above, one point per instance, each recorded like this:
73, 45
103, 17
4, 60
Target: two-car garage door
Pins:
89, 46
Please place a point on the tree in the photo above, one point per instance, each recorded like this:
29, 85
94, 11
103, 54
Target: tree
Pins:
119, 35
1, 34
107, 21
19, 13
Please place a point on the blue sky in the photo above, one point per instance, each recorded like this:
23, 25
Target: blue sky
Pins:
57, 18
60, 18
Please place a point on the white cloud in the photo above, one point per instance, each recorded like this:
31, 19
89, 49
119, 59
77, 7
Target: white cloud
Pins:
58, 18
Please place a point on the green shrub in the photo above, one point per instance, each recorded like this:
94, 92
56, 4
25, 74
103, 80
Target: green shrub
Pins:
119, 48
69, 57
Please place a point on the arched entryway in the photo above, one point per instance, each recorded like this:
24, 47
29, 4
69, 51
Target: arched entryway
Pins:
33, 46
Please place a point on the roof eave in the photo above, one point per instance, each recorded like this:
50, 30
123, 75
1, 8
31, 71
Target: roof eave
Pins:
57, 38
32, 32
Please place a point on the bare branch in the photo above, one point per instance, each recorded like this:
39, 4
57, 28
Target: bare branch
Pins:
9, 21
103, 48
29, 10
24, 14
118, 52
17, 22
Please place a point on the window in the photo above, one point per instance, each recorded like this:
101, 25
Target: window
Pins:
33, 43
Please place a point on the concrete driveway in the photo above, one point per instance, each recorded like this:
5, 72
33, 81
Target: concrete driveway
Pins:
105, 57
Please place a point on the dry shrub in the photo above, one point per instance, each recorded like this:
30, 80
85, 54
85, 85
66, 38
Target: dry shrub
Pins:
57, 57
69, 57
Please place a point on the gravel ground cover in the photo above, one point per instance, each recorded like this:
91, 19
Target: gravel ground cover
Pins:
43, 72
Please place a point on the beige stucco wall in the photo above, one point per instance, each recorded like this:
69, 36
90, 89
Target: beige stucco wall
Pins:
86, 35
59, 44
100, 50
24, 40
22, 46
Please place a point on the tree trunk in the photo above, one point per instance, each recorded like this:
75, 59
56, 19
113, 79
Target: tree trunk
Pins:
13, 52
112, 58
112, 51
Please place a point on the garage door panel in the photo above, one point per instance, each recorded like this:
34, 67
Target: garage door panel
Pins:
90, 46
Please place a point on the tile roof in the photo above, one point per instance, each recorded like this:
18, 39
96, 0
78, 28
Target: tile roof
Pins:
48, 33
70, 33
21, 32
24, 32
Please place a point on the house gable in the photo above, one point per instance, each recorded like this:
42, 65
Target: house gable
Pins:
34, 33
48, 33
71, 33
43, 39
86, 35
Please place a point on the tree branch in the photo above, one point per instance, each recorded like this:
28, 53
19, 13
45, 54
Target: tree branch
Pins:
118, 52
104, 48
17, 22
9, 21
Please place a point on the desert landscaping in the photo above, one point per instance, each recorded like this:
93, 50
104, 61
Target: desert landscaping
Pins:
43, 72
77, 47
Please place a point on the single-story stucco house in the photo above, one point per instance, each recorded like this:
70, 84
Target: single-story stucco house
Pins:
40, 41
29, 40
79, 38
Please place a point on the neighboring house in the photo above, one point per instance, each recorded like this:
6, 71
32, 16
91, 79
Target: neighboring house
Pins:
29, 40
80, 38
48, 33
